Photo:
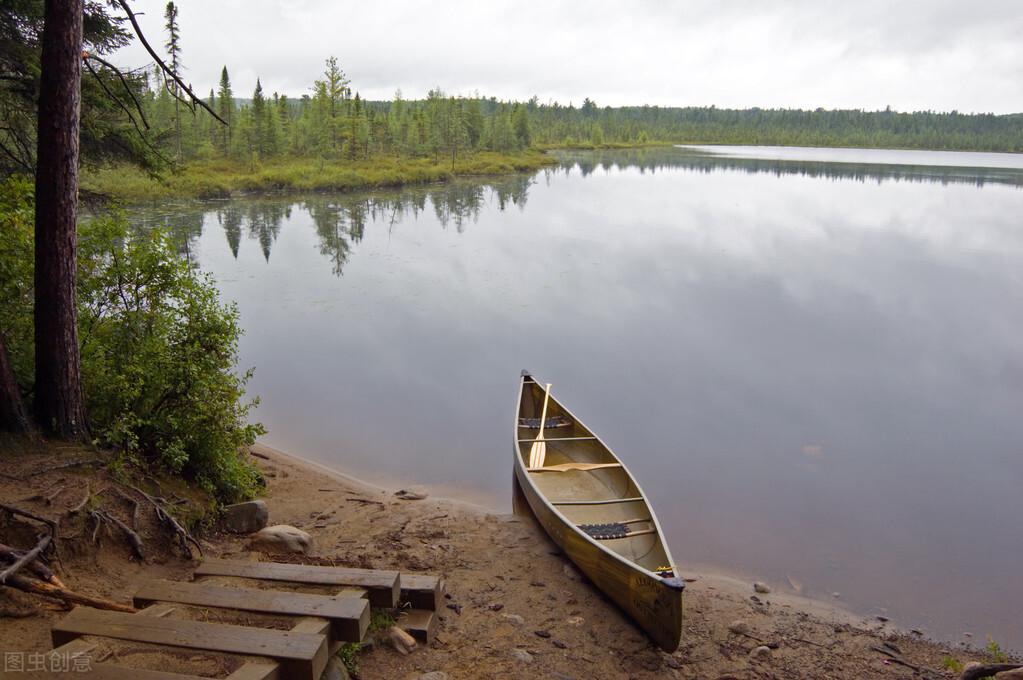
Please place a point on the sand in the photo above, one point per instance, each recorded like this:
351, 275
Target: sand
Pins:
515, 607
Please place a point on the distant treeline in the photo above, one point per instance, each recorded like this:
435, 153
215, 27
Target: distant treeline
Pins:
334, 122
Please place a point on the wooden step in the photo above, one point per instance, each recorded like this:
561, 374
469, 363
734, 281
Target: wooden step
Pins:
348, 616
64, 666
301, 655
419, 623
422, 591
383, 586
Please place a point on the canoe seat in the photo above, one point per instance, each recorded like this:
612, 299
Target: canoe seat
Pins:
566, 467
612, 530
549, 423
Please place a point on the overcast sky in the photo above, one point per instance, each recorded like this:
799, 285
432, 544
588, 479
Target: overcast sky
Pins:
910, 54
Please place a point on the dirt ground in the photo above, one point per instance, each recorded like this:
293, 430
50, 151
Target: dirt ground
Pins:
515, 607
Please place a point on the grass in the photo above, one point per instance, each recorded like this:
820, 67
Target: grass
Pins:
222, 178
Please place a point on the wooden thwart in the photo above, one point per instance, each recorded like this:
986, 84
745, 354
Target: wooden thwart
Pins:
567, 467
383, 586
300, 655
607, 501
348, 616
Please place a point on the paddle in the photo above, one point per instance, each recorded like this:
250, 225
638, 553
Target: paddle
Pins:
538, 452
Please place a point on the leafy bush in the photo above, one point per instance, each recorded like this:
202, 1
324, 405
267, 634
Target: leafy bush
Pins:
159, 351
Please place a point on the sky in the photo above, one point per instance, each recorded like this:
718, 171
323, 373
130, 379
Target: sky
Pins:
865, 54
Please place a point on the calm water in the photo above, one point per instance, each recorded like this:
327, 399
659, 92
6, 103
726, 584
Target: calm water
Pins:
814, 368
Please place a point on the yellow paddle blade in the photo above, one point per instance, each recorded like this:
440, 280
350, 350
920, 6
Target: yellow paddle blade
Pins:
537, 454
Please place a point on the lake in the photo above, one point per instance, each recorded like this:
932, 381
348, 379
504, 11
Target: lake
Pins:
812, 360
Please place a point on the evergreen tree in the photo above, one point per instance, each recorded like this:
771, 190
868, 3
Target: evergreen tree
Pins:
173, 46
225, 111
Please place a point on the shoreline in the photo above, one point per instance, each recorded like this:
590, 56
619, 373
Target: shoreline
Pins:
506, 580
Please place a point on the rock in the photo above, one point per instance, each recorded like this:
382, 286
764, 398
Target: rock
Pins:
282, 538
335, 670
761, 588
575, 620
837, 595
761, 653
246, 518
513, 619
739, 627
672, 662
434, 675
522, 655
882, 619
542, 633
559, 644
496, 607
401, 641
413, 493
1016, 674
570, 572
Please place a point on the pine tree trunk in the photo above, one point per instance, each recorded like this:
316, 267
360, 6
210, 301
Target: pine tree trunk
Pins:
59, 408
13, 417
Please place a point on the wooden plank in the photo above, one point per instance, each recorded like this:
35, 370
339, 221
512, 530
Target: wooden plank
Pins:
608, 501
422, 591
419, 623
559, 439
256, 670
300, 655
67, 653
348, 616
383, 586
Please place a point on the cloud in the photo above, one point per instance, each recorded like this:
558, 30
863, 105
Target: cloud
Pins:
938, 54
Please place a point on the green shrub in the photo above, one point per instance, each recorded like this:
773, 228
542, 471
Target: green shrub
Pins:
159, 349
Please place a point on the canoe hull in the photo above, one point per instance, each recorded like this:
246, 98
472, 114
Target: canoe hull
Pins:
653, 602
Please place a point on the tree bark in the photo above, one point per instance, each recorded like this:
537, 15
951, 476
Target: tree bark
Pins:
13, 417
59, 407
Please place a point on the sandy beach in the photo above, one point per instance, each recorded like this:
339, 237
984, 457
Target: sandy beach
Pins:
515, 607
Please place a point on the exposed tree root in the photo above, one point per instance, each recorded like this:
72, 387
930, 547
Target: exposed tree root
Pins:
70, 597
166, 519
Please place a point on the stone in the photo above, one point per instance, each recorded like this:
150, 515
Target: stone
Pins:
282, 538
559, 644
513, 619
739, 627
761, 588
413, 493
570, 572
246, 518
575, 620
522, 655
542, 633
672, 662
761, 653
434, 675
882, 619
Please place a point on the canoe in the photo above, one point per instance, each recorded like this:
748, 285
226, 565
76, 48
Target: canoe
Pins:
593, 509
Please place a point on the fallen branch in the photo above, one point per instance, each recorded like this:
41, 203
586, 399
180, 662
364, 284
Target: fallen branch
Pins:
29, 585
9, 554
897, 659
978, 672
25, 559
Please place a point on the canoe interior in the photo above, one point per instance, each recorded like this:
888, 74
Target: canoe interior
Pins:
564, 490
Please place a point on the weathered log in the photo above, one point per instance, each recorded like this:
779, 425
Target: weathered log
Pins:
987, 670
50, 590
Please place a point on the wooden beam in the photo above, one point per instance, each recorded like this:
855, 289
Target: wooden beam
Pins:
348, 616
383, 586
301, 656
423, 591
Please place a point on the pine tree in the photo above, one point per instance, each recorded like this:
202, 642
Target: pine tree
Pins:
225, 111
173, 46
258, 120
